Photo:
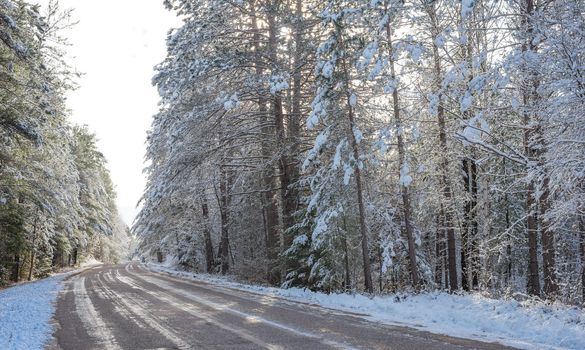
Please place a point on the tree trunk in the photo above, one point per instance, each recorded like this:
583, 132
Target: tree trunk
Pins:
289, 193
33, 250
582, 229
32, 264
508, 273
439, 252
347, 280
270, 202
75, 255
207, 236
274, 276
224, 214
56, 257
531, 207
15, 274
406, 209
446, 188
531, 228
272, 235
470, 265
362, 218
469, 246
548, 245
368, 284
547, 235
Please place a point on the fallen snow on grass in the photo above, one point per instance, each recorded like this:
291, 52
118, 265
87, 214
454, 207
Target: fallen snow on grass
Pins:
526, 325
25, 312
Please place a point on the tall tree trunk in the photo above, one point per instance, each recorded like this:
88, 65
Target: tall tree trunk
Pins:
406, 208
33, 251
446, 188
15, 274
470, 265
548, 245
289, 191
532, 231
447, 194
32, 264
347, 280
280, 149
270, 207
367, 268
474, 249
56, 260
531, 207
582, 229
508, 273
224, 214
207, 235
368, 284
362, 214
272, 233
469, 246
75, 255
547, 235
439, 252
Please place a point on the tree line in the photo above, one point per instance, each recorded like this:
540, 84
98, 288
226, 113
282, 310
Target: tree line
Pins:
57, 201
377, 146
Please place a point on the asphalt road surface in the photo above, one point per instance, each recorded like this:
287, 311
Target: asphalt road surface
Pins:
130, 307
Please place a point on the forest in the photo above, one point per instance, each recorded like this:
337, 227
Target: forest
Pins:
373, 146
292, 174
57, 201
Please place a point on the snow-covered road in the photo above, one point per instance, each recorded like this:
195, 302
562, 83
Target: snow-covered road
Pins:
130, 307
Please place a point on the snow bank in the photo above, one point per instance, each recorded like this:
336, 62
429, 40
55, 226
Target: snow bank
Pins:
91, 262
25, 312
526, 325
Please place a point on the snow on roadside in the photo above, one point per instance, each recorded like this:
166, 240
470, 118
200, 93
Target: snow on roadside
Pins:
526, 325
91, 262
25, 312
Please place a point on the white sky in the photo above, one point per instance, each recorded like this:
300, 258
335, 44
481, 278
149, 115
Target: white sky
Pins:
116, 44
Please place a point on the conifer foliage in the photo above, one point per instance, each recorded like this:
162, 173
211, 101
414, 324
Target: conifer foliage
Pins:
56, 197
375, 145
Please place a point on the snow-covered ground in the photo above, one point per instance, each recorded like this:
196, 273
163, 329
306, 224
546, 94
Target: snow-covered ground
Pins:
27, 308
91, 261
25, 312
526, 325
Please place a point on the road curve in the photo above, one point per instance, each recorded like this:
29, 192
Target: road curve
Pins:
130, 307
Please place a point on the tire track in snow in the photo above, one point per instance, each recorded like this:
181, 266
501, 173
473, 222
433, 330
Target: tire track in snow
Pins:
248, 317
248, 295
102, 292
133, 308
199, 313
91, 319
224, 292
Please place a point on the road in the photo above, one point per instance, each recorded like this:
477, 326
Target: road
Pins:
130, 307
